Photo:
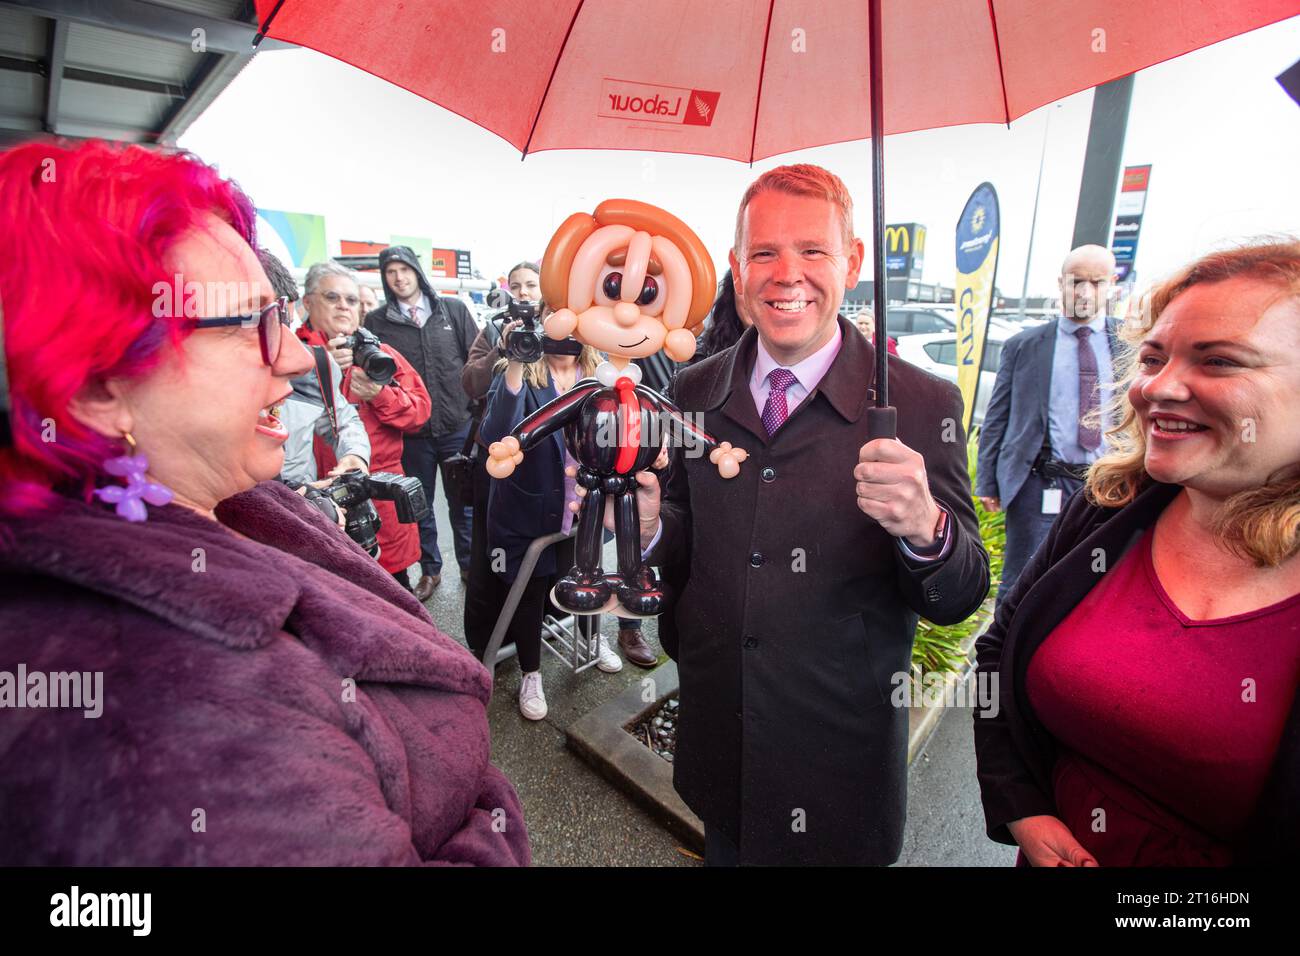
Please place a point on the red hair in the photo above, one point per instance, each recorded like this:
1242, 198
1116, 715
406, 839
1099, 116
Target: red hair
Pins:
87, 229
802, 179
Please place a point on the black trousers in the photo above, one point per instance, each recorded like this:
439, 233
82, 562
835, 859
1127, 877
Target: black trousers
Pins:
485, 594
525, 630
424, 457
718, 848
1027, 526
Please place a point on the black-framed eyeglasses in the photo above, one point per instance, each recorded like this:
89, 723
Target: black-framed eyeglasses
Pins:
269, 323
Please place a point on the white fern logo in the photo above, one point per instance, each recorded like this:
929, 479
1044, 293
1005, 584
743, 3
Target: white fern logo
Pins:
702, 108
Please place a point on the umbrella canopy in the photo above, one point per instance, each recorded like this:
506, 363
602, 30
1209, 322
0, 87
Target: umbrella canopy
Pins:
748, 79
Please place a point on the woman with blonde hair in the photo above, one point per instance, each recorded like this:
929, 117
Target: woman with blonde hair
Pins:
1147, 659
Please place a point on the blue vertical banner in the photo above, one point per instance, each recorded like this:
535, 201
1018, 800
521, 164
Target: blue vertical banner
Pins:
978, 231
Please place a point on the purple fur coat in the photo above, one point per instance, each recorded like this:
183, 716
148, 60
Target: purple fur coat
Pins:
268, 699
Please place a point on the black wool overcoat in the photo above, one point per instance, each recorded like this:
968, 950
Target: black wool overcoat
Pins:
798, 611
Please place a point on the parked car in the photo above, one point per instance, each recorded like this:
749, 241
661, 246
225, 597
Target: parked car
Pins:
937, 354
1037, 316
925, 319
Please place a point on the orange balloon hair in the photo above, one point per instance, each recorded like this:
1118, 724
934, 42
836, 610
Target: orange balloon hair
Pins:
574, 231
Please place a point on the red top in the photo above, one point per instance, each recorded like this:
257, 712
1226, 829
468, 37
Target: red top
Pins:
401, 406
1169, 725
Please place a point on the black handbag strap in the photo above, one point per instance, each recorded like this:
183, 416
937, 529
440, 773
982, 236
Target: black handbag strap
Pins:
471, 436
326, 386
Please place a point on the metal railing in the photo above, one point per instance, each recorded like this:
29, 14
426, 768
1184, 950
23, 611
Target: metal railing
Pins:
574, 633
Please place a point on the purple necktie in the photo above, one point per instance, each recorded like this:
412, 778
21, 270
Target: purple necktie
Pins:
1089, 400
775, 411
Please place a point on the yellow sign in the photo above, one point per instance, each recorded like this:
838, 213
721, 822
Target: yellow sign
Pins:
973, 293
978, 232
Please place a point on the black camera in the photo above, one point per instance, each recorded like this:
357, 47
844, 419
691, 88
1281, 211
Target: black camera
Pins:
527, 343
379, 366
354, 490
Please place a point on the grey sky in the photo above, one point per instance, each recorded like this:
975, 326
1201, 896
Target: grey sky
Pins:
302, 132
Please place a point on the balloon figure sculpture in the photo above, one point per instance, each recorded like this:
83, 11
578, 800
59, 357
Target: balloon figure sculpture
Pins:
628, 280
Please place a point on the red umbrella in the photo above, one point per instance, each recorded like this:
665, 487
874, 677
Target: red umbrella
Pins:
748, 79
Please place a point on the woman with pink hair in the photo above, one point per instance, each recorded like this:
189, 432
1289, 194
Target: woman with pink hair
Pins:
196, 667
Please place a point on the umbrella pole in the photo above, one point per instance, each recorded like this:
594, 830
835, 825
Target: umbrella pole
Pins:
882, 418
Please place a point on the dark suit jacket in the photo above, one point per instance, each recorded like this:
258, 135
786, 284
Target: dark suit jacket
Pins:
799, 610
437, 354
530, 503
1015, 752
1016, 420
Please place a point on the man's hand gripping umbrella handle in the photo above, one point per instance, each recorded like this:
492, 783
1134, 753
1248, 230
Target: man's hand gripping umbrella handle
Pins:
882, 422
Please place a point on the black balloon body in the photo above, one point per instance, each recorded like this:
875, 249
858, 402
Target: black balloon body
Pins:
612, 433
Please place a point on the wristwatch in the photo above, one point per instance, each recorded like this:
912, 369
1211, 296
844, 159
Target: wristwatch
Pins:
940, 536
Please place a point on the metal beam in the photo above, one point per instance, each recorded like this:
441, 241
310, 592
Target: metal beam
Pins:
17, 137
140, 85
205, 84
148, 19
207, 81
158, 87
18, 129
55, 59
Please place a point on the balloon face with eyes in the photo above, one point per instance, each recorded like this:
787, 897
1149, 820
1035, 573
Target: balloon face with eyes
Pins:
611, 324
627, 288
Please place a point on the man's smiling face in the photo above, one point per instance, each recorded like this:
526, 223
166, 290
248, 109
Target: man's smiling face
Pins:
792, 269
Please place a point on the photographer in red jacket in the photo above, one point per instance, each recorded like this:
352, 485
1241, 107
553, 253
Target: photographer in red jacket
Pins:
388, 409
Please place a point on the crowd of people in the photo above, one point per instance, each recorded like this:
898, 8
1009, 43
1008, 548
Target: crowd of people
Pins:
277, 695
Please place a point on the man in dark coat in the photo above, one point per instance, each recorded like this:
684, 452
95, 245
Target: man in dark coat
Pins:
433, 332
806, 573
1037, 441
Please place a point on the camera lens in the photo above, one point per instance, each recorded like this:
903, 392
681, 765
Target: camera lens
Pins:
379, 368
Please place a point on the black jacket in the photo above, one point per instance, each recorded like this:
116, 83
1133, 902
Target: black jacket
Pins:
437, 351
530, 503
1016, 753
798, 610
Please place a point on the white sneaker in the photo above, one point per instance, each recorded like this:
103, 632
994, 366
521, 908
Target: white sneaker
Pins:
532, 702
608, 661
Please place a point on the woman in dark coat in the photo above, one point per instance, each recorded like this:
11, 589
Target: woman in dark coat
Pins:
1148, 658
208, 671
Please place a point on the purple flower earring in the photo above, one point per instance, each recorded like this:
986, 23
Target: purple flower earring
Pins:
131, 498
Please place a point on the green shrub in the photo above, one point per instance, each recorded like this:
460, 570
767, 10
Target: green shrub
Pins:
939, 647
